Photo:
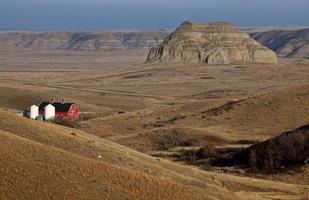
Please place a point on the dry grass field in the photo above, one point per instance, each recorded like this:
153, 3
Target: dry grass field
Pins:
55, 174
89, 166
144, 117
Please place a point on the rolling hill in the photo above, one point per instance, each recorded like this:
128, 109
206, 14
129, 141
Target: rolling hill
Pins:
30, 170
256, 118
42, 159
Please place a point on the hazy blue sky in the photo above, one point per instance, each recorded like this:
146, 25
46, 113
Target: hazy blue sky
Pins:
143, 14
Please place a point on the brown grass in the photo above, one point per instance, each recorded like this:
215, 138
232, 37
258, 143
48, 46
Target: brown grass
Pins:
68, 122
30, 170
142, 105
85, 145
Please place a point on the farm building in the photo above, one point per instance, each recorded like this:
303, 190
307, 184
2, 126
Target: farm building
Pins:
62, 109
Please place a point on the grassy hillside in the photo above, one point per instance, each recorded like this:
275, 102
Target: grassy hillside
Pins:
211, 122
69, 153
82, 144
30, 170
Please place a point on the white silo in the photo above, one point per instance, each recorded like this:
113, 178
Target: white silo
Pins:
34, 111
49, 112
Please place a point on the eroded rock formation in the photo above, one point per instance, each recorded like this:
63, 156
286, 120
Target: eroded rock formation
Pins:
212, 43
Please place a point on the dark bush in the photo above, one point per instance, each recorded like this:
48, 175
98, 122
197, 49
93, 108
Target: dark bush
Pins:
227, 157
290, 149
175, 139
202, 153
245, 142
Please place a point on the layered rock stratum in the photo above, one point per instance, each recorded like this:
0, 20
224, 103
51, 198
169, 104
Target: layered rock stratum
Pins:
83, 41
211, 43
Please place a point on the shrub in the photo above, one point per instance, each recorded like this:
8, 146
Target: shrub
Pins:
175, 139
245, 142
72, 123
89, 116
284, 151
202, 153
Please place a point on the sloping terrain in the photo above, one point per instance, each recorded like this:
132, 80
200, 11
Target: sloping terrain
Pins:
227, 126
30, 170
264, 115
217, 123
286, 43
52, 156
64, 150
83, 41
10, 98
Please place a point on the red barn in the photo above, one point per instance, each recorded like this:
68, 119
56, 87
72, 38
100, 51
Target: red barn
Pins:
68, 110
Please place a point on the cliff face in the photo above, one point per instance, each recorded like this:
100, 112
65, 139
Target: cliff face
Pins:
213, 43
83, 41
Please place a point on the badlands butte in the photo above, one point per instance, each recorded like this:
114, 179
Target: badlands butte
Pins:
214, 43
207, 111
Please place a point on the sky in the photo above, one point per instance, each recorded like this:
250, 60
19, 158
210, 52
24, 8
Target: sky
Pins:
43, 15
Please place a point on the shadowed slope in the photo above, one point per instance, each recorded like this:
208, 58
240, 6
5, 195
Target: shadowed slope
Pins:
286, 43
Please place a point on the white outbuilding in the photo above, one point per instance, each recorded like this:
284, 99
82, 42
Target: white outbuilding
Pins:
34, 112
49, 112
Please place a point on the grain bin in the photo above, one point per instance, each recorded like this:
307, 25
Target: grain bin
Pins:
34, 111
49, 112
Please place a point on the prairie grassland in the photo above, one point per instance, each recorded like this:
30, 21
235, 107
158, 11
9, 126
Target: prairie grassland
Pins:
149, 107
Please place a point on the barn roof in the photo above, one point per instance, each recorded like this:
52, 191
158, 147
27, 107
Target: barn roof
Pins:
59, 107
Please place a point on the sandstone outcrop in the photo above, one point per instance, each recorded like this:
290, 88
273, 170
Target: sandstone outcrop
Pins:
212, 43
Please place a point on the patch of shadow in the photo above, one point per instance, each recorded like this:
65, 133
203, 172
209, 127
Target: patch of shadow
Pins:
162, 123
209, 156
219, 93
220, 110
137, 76
207, 77
245, 142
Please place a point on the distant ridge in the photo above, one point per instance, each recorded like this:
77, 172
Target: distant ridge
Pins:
83, 41
286, 43
290, 42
